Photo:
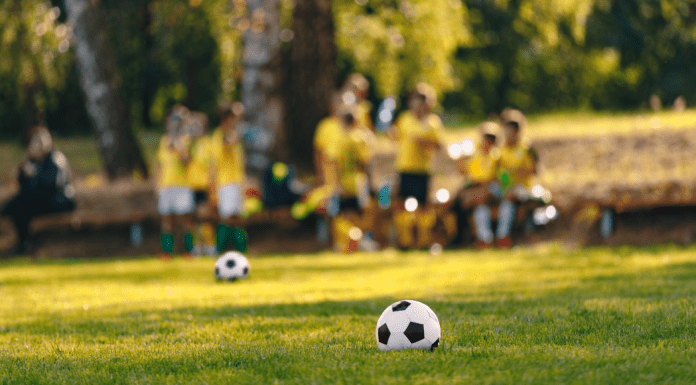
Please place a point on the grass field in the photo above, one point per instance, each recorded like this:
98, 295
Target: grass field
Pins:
533, 315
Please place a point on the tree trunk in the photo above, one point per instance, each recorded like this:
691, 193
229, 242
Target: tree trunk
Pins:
261, 84
106, 106
311, 78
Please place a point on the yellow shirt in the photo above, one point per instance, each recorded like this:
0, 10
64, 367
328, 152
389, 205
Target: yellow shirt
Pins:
482, 167
413, 157
362, 114
228, 160
199, 166
328, 131
172, 168
517, 163
356, 150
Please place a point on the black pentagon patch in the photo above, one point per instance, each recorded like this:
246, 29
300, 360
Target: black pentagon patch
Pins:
246, 271
383, 334
435, 344
217, 272
403, 305
230, 263
414, 332
231, 279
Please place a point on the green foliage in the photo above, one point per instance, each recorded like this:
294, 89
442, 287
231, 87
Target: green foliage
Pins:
33, 46
175, 51
399, 43
551, 54
540, 315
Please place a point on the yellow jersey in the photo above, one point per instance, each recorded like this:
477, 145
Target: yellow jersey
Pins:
199, 166
482, 167
328, 131
228, 160
516, 165
412, 156
356, 150
362, 114
173, 171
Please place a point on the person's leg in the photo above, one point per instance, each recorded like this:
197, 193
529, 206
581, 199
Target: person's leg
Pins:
482, 222
183, 208
506, 217
164, 207
229, 206
18, 210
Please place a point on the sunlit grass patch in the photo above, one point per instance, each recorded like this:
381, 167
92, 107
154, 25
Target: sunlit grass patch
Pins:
541, 315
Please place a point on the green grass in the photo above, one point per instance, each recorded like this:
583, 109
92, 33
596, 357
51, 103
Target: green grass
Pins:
533, 315
573, 124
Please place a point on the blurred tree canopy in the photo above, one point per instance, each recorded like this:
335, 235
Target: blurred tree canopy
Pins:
480, 55
34, 64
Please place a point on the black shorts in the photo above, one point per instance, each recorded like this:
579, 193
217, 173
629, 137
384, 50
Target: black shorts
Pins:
349, 204
414, 185
200, 196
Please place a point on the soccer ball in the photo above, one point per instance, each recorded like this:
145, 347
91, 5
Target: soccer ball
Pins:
408, 325
231, 266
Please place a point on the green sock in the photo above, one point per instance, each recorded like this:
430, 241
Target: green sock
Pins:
167, 241
221, 233
239, 237
188, 242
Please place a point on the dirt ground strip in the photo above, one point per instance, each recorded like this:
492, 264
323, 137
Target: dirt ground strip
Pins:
648, 179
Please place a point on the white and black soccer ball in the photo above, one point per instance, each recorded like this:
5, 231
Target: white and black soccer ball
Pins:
408, 325
231, 266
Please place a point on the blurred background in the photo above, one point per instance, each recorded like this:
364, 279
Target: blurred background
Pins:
606, 84
480, 55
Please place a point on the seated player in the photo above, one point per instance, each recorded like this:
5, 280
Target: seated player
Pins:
43, 183
483, 189
229, 174
418, 134
516, 169
175, 197
199, 177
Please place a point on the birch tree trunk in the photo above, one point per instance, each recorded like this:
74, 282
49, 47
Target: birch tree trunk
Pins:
311, 77
108, 111
261, 84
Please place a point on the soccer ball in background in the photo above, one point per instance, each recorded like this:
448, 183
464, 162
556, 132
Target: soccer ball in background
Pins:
408, 325
231, 266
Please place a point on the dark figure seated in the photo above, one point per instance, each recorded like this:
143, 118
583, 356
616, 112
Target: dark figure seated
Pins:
44, 186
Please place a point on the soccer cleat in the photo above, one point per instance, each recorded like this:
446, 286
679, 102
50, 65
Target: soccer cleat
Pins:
481, 245
503, 243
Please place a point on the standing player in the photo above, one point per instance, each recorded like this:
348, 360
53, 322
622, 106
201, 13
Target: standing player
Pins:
175, 197
418, 134
199, 176
358, 86
517, 167
228, 169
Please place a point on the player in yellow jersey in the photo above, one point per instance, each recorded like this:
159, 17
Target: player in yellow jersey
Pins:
326, 134
229, 173
483, 189
517, 167
175, 197
418, 133
199, 177
358, 86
